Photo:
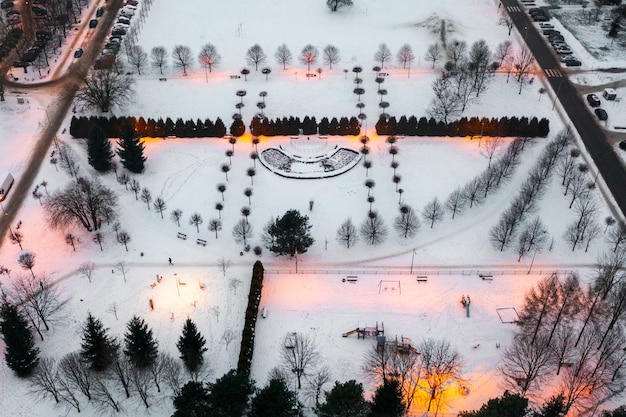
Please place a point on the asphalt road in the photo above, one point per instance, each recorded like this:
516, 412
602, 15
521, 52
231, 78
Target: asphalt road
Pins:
64, 88
592, 135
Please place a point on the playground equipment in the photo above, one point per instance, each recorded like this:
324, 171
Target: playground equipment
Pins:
362, 331
403, 345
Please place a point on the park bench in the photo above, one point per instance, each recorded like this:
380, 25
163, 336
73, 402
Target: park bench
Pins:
181, 236
162, 79
235, 77
486, 277
383, 74
421, 278
201, 242
352, 279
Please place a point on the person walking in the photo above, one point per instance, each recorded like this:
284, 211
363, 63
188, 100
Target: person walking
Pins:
170, 259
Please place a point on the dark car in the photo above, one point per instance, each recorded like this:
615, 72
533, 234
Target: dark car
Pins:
622, 145
118, 31
601, 114
78, 53
573, 63
93, 23
593, 100
99, 11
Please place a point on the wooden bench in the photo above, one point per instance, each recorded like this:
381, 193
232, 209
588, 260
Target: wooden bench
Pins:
201, 242
162, 79
235, 77
421, 278
181, 236
352, 279
486, 277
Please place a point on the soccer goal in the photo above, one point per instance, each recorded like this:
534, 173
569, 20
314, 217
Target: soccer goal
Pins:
389, 287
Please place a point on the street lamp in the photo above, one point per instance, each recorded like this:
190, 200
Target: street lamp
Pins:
525, 33
6, 214
532, 262
296, 261
412, 259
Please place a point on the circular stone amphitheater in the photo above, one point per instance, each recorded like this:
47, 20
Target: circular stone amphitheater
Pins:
309, 158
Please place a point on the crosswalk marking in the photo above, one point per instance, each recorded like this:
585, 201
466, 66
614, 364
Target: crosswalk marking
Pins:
513, 9
553, 73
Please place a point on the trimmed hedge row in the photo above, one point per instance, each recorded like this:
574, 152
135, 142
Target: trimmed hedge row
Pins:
504, 126
262, 126
252, 312
81, 127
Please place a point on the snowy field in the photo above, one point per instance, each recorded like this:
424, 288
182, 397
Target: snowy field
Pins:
185, 173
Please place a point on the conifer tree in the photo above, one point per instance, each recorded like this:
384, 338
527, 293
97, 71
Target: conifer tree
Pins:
97, 347
20, 354
130, 150
139, 344
99, 150
387, 401
191, 346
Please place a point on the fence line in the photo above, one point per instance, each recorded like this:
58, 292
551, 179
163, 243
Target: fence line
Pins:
464, 272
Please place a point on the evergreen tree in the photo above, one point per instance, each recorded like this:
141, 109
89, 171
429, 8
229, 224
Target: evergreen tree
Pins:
290, 234
130, 150
20, 354
97, 347
387, 401
238, 128
191, 346
274, 400
99, 150
192, 401
229, 395
344, 400
509, 405
139, 344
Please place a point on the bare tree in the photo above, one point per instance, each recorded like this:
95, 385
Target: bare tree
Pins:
176, 215
105, 89
86, 269
66, 393
135, 187
441, 366
159, 205
347, 234
316, 382
433, 211
617, 237
146, 197
215, 225
525, 363
373, 229
503, 52
196, 220
433, 54
137, 57
140, 380
523, 63
158, 57
255, 56
16, 238
456, 202
121, 266
490, 145
456, 51
283, 56
224, 264
479, 60
383, 54
308, 56
300, 355
68, 160
472, 192
506, 21
124, 238
27, 261
405, 55
234, 284
76, 373
84, 201
445, 104
331, 55
534, 236
182, 57
44, 380
209, 57
122, 370
336, 4
242, 232
102, 395
407, 223
567, 168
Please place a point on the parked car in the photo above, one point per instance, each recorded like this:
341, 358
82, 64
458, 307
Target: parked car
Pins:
573, 63
601, 114
93, 23
118, 31
563, 50
99, 11
127, 13
123, 20
78, 53
131, 3
546, 25
593, 100
565, 58
622, 145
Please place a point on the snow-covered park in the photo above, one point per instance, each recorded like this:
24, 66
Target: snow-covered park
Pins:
306, 293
